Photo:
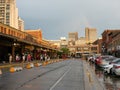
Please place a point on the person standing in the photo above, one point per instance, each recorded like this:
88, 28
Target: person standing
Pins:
23, 58
17, 58
28, 57
10, 58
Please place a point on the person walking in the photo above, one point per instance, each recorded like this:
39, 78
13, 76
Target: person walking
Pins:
10, 58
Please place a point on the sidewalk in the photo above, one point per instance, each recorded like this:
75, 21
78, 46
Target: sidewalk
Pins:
5, 67
91, 81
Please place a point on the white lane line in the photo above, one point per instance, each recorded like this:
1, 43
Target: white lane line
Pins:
60, 79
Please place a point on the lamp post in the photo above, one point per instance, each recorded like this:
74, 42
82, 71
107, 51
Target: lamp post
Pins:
103, 50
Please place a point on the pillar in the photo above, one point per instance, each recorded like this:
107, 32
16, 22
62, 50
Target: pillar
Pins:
13, 52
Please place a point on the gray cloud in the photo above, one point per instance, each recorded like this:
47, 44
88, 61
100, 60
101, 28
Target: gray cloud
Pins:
58, 17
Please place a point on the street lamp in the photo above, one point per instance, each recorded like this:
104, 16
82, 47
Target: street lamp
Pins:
103, 50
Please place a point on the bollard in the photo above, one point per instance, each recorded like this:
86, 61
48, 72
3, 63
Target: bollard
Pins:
15, 69
37, 64
44, 63
0, 71
28, 66
12, 69
32, 65
18, 68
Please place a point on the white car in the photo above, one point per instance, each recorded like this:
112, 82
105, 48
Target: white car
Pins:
108, 68
116, 69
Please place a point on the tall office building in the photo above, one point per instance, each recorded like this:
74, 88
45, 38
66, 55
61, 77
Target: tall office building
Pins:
9, 13
20, 24
90, 34
73, 36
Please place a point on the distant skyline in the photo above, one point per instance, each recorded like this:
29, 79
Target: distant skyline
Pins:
57, 18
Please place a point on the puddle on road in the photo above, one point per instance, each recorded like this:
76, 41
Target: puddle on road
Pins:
111, 82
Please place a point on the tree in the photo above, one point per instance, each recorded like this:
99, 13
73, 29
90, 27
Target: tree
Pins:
65, 51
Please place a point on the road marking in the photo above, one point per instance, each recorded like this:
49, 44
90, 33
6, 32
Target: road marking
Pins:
60, 79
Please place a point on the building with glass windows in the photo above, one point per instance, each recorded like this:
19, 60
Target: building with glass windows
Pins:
9, 14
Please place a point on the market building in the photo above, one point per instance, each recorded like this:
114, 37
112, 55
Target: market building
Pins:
14, 41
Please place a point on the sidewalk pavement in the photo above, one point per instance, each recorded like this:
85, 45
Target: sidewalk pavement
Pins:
91, 80
5, 67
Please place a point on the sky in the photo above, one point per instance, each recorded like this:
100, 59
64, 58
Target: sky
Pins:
57, 18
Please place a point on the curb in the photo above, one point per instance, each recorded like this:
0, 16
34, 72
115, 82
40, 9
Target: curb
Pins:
91, 81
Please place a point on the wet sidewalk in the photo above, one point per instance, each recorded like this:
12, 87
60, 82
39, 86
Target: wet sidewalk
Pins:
91, 80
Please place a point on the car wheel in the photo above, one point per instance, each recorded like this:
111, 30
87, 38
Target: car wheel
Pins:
111, 71
105, 72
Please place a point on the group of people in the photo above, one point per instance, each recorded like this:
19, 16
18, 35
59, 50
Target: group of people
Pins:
27, 57
44, 57
19, 58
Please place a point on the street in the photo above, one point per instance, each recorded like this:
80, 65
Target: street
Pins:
64, 75
71, 74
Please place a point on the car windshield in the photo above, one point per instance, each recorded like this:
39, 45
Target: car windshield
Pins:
116, 60
110, 59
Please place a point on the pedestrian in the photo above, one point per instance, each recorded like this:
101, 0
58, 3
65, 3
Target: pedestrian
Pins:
41, 57
28, 57
10, 58
23, 57
17, 58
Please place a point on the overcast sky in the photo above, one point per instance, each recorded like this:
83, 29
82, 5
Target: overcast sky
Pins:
57, 18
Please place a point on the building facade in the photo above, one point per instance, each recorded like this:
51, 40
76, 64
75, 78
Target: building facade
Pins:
63, 42
20, 24
81, 45
111, 42
35, 33
73, 36
14, 41
90, 34
9, 13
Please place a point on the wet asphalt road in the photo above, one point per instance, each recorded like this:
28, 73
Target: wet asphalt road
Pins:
64, 75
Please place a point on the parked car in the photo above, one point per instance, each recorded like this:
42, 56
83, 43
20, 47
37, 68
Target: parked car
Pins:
103, 60
107, 61
116, 69
108, 68
92, 58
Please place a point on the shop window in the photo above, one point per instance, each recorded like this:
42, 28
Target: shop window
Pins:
9, 31
1, 29
4, 30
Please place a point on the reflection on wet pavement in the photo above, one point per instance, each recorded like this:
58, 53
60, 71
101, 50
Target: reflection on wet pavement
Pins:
111, 82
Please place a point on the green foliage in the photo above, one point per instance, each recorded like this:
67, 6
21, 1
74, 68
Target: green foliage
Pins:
65, 50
